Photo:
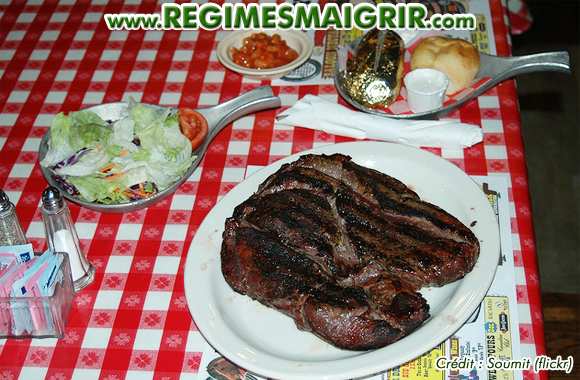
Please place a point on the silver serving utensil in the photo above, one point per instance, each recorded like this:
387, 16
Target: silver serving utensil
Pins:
217, 118
491, 66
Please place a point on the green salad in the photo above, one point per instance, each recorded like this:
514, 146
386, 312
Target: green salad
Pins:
117, 162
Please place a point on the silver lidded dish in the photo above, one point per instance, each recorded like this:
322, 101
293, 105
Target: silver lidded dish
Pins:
373, 75
494, 69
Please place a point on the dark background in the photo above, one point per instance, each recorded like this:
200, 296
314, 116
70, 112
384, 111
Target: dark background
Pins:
549, 109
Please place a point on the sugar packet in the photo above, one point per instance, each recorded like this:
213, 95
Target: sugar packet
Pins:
27, 286
22, 253
21, 321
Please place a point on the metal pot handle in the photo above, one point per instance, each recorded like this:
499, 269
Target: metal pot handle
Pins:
219, 116
500, 68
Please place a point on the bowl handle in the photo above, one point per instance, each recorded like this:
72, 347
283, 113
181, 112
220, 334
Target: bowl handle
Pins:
219, 116
500, 68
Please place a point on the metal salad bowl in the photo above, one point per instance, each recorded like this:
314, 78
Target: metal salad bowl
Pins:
496, 69
217, 118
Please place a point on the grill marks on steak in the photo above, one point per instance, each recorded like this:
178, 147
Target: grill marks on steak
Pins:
343, 250
278, 276
302, 221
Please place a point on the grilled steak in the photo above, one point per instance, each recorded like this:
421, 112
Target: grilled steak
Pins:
343, 250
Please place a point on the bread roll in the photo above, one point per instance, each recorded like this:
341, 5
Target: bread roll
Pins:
457, 58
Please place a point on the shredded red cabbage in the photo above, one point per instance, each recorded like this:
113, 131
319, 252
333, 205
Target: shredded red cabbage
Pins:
72, 159
64, 184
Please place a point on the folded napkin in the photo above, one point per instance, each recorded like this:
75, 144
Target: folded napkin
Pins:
316, 113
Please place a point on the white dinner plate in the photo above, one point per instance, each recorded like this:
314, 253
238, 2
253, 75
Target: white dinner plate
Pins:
264, 341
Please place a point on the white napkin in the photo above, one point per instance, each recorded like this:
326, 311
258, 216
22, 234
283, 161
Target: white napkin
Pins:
316, 113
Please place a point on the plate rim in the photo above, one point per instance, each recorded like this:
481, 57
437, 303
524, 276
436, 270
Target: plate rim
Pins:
374, 363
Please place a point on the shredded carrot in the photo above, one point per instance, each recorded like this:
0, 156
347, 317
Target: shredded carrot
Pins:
141, 190
123, 153
107, 167
130, 192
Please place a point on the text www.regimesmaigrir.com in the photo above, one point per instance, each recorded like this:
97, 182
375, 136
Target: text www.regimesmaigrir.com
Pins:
229, 16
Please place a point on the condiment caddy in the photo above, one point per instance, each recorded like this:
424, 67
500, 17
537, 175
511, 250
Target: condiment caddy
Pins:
39, 314
36, 291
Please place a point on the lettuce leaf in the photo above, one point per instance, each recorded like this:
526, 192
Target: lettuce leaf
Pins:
87, 118
99, 189
60, 129
135, 176
167, 140
113, 150
68, 134
89, 136
58, 145
141, 154
169, 152
159, 158
88, 163
164, 173
146, 117
123, 134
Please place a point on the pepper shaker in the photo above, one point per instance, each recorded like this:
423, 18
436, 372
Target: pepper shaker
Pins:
10, 230
62, 237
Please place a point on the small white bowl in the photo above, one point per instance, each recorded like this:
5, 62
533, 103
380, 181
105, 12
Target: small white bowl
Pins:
295, 39
425, 89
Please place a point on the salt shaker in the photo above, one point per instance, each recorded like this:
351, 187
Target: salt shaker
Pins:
10, 230
62, 236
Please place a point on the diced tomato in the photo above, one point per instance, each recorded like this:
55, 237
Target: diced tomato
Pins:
193, 125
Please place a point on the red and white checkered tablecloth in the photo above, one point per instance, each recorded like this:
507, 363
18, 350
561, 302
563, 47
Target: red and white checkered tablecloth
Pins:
133, 321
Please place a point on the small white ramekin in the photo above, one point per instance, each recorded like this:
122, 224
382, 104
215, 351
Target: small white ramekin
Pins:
425, 89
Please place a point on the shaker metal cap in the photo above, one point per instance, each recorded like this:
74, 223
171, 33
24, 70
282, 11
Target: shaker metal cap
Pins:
4, 202
52, 199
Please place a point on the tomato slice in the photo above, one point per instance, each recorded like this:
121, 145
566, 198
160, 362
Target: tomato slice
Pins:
193, 125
